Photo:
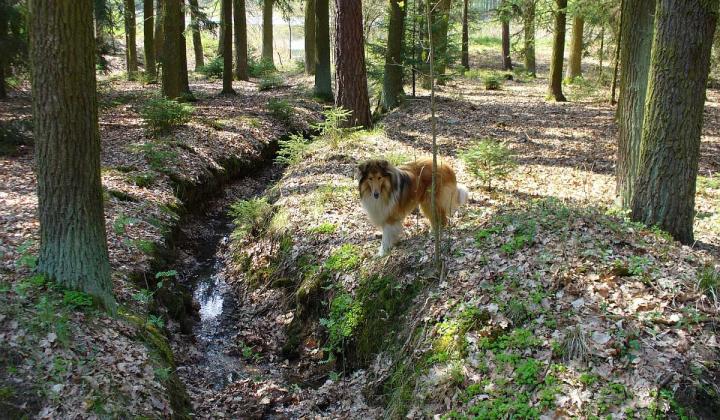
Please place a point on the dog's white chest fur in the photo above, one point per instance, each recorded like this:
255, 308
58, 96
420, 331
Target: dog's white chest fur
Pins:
378, 209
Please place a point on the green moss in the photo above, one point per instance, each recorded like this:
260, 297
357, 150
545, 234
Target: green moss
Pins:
344, 258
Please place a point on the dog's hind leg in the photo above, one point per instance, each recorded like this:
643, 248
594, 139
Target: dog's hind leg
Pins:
391, 233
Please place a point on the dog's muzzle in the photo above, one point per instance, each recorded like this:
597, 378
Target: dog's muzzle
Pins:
376, 195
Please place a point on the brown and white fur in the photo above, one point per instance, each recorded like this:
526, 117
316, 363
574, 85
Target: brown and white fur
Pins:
388, 194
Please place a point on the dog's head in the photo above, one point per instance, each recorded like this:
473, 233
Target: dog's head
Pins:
375, 178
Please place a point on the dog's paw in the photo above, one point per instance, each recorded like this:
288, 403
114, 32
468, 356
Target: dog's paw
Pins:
382, 251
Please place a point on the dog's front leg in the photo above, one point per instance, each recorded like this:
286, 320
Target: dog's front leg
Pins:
391, 233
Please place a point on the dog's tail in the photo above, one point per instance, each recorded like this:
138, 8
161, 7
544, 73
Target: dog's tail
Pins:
461, 196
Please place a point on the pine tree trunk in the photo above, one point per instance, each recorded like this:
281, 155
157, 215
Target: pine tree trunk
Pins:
664, 193
3, 35
323, 81
465, 53
221, 37
310, 37
529, 37
267, 31
159, 38
148, 41
196, 38
352, 91
226, 11
505, 19
576, 48
130, 40
240, 33
174, 58
636, 34
556, 63
393, 77
441, 23
73, 243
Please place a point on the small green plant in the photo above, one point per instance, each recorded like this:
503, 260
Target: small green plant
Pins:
121, 222
709, 281
344, 258
638, 265
163, 374
214, 68
489, 160
280, 109
26, 259
292, 150
524, 235
156, 321
345, 315
492, 82
77, 300
259, 68
145, 246
143, 180
250, 217
333, 126
325, 228
161, 115
270, 81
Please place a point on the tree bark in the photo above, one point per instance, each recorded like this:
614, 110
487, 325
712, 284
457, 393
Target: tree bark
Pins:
267, 31
130, 40
576, 48
636, 34
196, 38
174, 59
664, 193
159, 38
240, 33
149, 41
221, 36
226, 11
529, 37
323, 82
441, 23
556, 63
73, 243
393, 77
352, 91
465, 54
3, 39
505, 19
310, 37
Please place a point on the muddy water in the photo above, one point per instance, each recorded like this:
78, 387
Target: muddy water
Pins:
210, 358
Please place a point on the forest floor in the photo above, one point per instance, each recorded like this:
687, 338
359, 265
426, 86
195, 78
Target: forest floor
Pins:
552, 303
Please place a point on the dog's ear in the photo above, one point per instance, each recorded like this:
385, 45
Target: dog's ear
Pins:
362, 170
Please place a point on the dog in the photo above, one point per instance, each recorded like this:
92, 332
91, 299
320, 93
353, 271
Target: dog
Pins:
389, 194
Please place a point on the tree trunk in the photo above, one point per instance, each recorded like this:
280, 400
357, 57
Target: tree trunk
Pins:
148, 41
3, 35
267, 31
664, 193
576, 48
226, 11
465, 59
441, 22
73, 243
636, 34
323, 82
174, 58
529, 37
505, 19
241, 48
352, 91
221, 36
197, 39
393, 77
159, 38
310, 37
130, 40
556, 63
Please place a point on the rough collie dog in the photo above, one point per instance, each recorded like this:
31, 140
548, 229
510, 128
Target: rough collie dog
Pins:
388, 194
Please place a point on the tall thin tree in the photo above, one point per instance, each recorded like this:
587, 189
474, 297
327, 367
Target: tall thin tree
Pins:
226, 10
636, 34
310, 37
130, 40
529, 36
393, 78
576, 47
149, 41
505, 14
664, 193
241, 43
174, 58
558, 52
196, 37
267, 30
352, 91
73, 243
323, 81
465, 52
159, 38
